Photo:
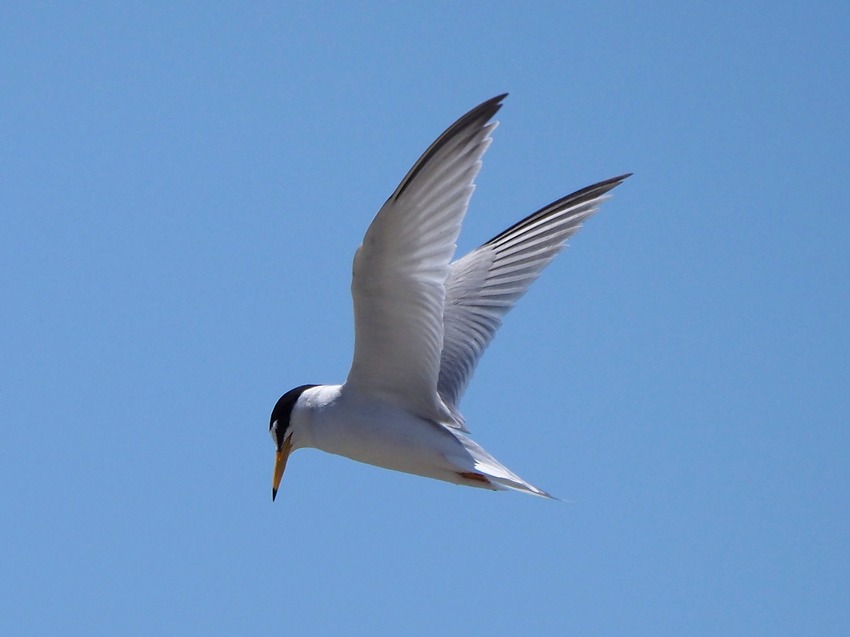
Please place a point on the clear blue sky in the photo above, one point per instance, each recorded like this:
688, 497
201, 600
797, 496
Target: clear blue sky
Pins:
183, 188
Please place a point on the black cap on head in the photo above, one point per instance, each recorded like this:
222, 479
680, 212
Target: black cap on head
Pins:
282, 412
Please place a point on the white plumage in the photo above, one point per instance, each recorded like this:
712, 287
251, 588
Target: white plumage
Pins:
423, 322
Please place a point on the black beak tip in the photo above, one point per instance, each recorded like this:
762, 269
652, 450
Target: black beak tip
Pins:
274, 494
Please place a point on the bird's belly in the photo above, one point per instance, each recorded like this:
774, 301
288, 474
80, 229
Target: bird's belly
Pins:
391, 438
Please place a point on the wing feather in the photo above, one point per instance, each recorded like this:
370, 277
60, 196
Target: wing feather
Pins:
486, 283
400, 270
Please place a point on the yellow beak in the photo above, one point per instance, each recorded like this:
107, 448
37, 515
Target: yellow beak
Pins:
280, 459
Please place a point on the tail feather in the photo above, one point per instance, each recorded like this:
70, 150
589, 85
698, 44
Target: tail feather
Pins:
499, 475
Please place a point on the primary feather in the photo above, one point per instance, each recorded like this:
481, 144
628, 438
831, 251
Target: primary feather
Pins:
485, 284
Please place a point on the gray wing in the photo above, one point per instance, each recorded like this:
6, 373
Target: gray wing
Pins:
400, 270
485, 284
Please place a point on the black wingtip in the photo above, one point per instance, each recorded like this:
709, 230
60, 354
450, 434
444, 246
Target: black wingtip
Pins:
600, 188
492, 105
584, 195
478, 116
607, 184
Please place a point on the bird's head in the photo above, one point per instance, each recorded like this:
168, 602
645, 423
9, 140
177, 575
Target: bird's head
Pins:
281, 432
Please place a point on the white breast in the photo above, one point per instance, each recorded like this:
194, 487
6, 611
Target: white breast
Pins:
343, 423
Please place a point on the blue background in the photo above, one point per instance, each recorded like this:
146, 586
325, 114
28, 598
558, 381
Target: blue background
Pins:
183, 188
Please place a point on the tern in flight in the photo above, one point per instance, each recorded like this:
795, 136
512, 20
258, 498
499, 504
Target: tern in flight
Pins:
422, 321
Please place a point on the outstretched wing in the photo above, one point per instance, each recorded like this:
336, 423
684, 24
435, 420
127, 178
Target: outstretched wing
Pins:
400, 270
485, 284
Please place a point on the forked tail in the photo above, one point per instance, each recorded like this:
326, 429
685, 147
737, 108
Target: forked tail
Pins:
493, 472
